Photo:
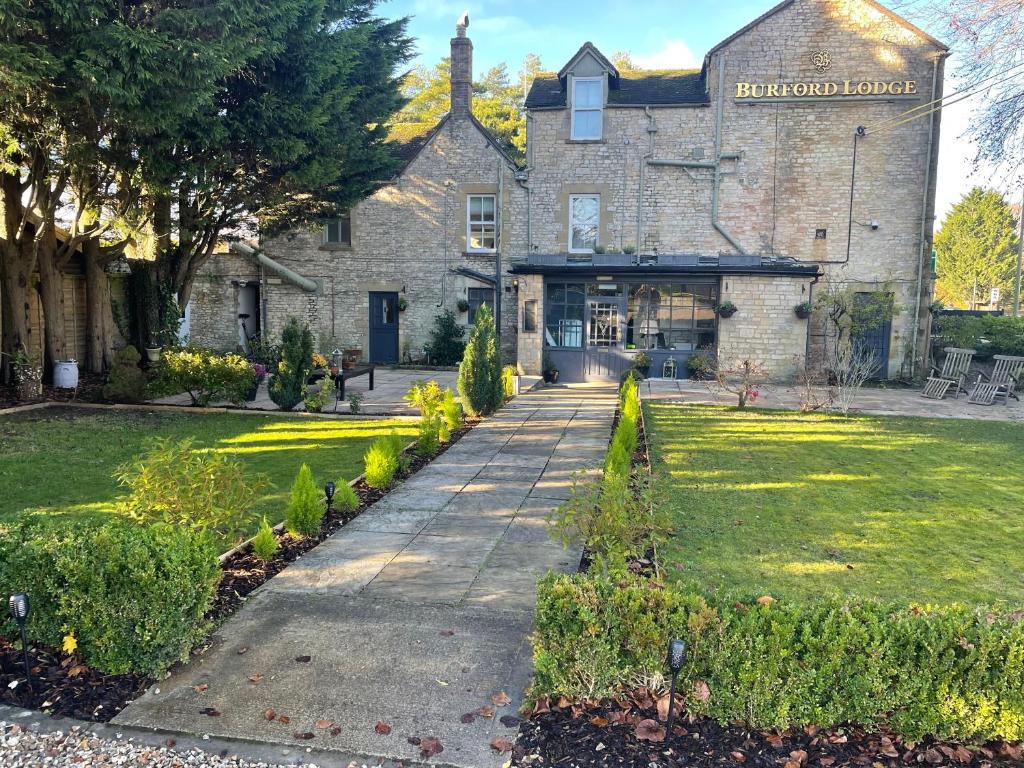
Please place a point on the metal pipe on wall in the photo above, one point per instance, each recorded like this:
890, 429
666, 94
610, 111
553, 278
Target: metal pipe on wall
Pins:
719, 113
498, 234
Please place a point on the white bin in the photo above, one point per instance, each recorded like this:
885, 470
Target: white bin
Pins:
65, 374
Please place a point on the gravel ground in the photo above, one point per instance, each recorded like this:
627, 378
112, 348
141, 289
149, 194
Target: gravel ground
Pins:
20, 748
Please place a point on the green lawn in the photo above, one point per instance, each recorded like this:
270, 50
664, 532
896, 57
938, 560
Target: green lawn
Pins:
796, 504
63, 460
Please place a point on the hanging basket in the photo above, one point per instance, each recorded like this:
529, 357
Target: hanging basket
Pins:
803, 310
728, 309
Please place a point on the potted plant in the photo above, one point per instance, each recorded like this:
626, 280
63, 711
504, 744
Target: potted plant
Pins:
726, 309
642, 362
548, 370
259, 374
153, 351
320, 365
351, 357
403, 304
463, 305
803, 309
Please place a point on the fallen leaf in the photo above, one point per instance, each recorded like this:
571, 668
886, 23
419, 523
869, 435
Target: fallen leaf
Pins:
486, 711
256, 679
442, 683
541, 706
649, 730
170, 743
77, 670
510, 721
209, 712
446, 632
304, 735
826, 761
933, 756
501, 744
774, 739
799, 755
414, 740
382, 728
241, 651
791, 764
500, 699
283, 719
302, 659
600, 722
323, 725
701, 691
269, 714
201, 687
467, 718
335, 731
430, 747
739, 757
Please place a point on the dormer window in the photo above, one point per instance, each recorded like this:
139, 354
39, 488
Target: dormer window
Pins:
587, 107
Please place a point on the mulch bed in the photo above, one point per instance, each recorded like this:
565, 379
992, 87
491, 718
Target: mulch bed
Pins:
624, 734
90, 390
64, 686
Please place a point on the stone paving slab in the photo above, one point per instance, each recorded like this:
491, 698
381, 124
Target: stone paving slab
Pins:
415, 612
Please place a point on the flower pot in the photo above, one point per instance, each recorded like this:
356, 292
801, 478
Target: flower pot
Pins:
65, 374
253, 390
550, 377
727, 311
153, 354
802, 312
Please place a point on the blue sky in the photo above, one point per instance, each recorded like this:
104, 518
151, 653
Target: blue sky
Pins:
658, 34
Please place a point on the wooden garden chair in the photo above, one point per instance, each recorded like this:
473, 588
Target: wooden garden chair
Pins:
1003, 382
953, 374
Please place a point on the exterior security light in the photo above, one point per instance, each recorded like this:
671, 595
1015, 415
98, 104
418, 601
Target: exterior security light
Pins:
19, 607
676, 659
329, 493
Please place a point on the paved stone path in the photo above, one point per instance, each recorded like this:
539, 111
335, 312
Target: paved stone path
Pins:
413, 614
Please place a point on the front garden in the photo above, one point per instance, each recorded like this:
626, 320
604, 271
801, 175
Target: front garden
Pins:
848, 590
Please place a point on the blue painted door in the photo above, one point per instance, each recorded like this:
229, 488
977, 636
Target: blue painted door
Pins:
383, 327
878, 331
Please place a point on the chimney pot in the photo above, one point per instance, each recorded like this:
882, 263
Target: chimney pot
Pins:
462, 70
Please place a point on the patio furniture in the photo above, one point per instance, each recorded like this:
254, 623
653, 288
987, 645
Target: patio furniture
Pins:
350, 373
1002, 382
953, 374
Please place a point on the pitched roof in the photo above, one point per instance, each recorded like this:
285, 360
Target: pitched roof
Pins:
642, 87
406, 140
589, 48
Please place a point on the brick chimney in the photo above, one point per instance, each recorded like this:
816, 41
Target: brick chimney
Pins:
462, 70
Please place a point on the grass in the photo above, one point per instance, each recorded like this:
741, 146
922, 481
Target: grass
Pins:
63, 460
790, 504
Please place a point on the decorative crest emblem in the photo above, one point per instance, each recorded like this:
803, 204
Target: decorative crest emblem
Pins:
821, 60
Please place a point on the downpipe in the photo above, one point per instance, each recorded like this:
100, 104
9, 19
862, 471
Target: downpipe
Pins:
720, 109
305, 283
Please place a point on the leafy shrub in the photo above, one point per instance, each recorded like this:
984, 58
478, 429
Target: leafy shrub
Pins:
206, 375
446, 345
451, 410
953, 671
480, 373
134, 596
174, 483
289, 380
355, 402
126, 382
315, 401
427, 396
988, 334
428, 441
345, 498
305, 507
508, 375
264, 543
381, 463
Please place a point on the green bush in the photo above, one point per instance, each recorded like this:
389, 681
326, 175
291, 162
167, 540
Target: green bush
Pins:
306, 508
480, 373
133, 596
381, 461
345, 498
288, 382
446, 345
451, 410
126, 382
428, 440
988, 334
508, 375
206, 375
427, 396
175, 483
264, 543
952, 671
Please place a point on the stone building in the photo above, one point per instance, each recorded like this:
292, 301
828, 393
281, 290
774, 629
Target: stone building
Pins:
786, 166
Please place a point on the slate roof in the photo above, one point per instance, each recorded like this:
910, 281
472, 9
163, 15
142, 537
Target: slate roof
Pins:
407, 139
654, 87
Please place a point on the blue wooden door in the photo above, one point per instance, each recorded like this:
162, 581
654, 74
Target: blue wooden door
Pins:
383, 327
875, 337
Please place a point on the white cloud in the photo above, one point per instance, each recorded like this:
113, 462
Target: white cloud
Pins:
675, 54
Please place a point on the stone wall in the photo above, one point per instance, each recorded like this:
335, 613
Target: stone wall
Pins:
531, 344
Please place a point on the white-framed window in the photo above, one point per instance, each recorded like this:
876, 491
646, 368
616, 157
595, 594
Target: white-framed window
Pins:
584, 222
338, 231
481, 223
587, 106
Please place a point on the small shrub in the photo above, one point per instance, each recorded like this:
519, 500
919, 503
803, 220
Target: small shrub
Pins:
480, 373
427, 396
174, 483
264, 543
381, 463
452, 410
306, 509
135, 597
206, 375
290, 374
428, 441
126, 382
355, 402
315, 401
345, 498
398, 445
508, 375
446, 345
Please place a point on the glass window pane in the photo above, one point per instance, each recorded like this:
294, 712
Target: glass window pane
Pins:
572, 333
345, 229
584, 220
574, 293
331, 231
530, 316
487, 208
556, 292
474, 208
588, 93
586, 124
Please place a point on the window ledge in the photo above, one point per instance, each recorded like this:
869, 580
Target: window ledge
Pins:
486, 254
335, 247
586, 141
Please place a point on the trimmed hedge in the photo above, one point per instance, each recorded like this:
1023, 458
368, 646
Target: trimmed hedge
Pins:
951, 671
988, 334
134, 596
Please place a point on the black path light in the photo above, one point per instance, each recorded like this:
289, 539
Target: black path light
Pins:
19, 612
329, 493
676, 659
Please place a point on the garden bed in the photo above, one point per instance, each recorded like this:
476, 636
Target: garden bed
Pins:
89, 390
65, 687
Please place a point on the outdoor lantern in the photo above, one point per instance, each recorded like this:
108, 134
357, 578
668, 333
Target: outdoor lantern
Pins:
19, 612
668, 370
676, 659
329, 493
336, 358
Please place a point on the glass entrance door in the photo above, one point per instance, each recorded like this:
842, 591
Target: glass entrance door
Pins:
604, 338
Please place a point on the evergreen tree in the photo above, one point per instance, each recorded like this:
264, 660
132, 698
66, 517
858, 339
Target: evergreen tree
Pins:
976, 250
480, 385
289, 380
446, 345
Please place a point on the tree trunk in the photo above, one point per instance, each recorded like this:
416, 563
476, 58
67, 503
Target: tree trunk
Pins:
17, 262
51, 284
99, 317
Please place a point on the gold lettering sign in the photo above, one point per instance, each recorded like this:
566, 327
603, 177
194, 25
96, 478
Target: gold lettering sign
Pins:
826, 90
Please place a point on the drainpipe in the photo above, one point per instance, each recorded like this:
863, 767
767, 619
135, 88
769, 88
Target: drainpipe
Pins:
305, 283
652, 129
924, 224
718, 158
498, 287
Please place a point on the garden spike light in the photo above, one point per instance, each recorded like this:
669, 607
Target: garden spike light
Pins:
18, 605
329, 493
676, 659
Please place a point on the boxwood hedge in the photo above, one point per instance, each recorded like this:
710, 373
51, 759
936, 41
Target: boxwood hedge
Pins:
133, 596
952, 671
